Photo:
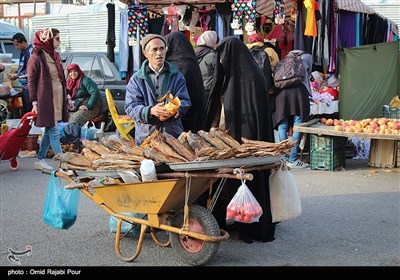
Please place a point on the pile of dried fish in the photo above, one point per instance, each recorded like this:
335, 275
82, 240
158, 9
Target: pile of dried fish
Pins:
114, 152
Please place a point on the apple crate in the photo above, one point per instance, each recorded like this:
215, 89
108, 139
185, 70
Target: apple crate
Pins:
390, 112
327, 152
384, 153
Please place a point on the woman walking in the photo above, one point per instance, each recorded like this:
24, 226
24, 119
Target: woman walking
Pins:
46, 83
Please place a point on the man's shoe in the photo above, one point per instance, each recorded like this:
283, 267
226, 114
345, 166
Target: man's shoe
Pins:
297, 164
42, 164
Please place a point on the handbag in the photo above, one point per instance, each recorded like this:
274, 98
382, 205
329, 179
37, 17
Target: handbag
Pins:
284, 196
61, 205
77, 103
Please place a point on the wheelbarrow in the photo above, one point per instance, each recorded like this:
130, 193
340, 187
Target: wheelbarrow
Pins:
193, 231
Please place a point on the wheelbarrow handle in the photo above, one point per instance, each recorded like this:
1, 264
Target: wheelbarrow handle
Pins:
57, 174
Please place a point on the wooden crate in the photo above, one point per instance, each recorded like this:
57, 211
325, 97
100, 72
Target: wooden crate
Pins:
398, 154
383, 153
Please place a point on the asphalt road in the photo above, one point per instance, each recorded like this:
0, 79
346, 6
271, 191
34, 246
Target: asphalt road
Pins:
350, 218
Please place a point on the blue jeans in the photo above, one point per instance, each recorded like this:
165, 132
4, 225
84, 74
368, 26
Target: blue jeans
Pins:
283, 129
51, 136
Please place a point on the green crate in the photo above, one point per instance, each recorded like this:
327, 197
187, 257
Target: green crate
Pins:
327, 152
329, 143
390, 112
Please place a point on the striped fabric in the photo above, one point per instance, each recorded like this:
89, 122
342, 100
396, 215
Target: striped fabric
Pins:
354, 6
266, 7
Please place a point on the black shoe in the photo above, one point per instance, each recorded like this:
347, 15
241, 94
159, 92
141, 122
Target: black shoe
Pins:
245, 239
268, 239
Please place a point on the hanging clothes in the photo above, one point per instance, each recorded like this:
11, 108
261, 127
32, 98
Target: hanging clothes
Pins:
111, 32
137, 23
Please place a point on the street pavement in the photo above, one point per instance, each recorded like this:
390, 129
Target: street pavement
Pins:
350, 218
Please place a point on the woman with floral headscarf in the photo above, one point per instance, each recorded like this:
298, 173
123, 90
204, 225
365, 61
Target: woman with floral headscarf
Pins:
46, 83
85, 95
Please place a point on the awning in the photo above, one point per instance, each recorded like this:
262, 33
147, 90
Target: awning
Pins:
354, 6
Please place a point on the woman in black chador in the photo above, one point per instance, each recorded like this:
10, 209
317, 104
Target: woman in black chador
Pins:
239, 103
181, 53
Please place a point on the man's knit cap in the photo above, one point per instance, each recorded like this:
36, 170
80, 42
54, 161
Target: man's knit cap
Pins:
150, 37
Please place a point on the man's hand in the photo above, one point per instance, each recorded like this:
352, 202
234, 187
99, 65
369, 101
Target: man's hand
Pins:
159, 111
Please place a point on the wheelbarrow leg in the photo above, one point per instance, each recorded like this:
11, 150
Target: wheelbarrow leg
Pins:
139, 244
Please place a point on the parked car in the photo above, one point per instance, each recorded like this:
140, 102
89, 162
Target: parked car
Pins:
7, 31
100, 69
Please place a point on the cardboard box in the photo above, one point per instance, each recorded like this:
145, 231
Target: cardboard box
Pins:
383, 153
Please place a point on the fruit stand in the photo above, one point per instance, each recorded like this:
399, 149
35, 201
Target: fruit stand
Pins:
384, 151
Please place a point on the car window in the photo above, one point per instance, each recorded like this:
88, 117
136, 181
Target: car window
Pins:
84, 62
9, 48
108, 74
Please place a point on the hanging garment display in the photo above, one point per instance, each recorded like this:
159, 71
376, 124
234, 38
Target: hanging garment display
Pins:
137, 21
171, 19
243, 11
279, 11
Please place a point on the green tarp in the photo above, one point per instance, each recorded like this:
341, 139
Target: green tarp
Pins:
369, 77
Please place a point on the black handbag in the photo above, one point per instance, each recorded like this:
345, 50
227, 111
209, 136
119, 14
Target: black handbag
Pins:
77, 102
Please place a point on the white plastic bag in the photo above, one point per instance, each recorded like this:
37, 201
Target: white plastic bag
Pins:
244, 207
284, 196
88, 131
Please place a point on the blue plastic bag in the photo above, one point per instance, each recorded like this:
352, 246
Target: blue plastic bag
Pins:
61, 205
127, 227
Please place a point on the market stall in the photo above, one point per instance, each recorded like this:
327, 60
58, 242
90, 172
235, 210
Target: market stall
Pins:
327, 146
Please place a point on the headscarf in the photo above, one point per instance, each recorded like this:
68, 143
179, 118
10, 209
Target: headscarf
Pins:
73, 85
206, 43
208, 38
43, 40
180, 53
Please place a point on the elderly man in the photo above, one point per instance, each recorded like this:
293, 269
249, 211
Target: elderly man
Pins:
153, 80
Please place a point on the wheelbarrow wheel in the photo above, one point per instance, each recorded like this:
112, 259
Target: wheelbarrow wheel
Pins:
194, 251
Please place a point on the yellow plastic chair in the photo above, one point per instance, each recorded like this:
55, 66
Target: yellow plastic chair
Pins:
123, 123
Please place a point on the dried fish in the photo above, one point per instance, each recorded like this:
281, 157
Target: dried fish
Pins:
90, 154
146, 142
111, 142
73, 158
136, 150
102, 162
197, 142
156, 155
215, 141
178, 147
117, 167
69, 166
183, 140
97, 147
224, 136
166, 149
123, 157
